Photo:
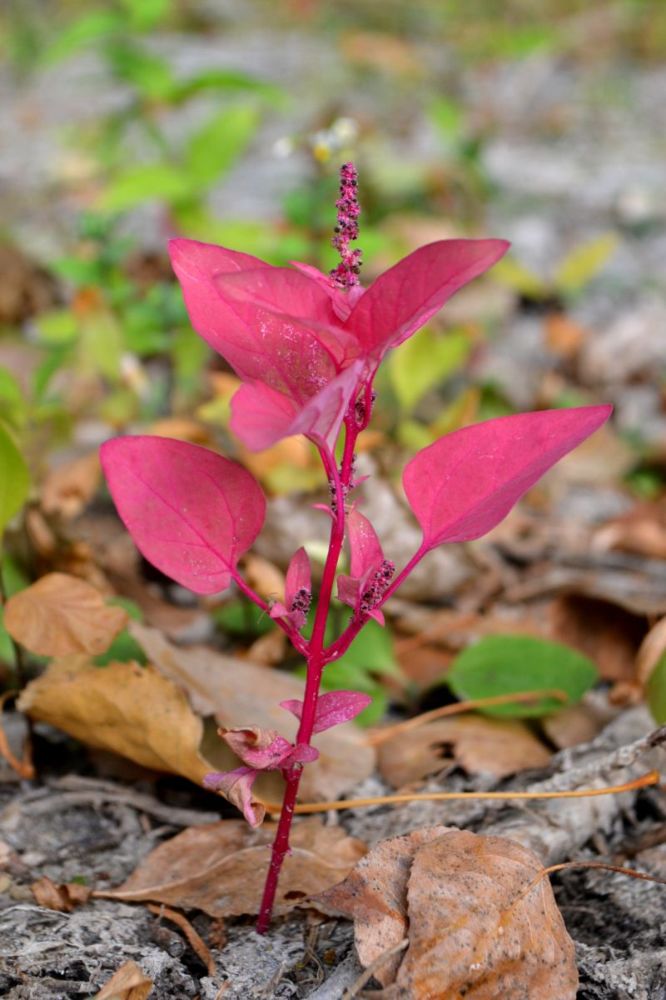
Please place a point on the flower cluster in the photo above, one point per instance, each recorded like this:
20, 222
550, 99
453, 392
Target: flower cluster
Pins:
345, 275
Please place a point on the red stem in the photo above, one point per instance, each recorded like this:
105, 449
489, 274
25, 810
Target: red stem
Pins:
316, 661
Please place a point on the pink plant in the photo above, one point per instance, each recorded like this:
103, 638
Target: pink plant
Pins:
306, 347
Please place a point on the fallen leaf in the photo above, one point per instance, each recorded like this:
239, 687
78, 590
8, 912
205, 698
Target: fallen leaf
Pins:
60, 615
221, 868
68, 488
128, 983
264, 577
481, 746
473, 932
651, 651
238, 693
608, 634
577, 723
144, 714
63, 896
131, 710
477, 928
374, 895
642, 531
564, 336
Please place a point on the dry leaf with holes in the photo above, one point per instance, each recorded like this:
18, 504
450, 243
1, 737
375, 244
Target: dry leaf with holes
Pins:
478, 928
60, 615
220, 868
374, 896
481, 922
128, 983
68, 488
481, 746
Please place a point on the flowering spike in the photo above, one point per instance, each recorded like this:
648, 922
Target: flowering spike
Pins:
345, 275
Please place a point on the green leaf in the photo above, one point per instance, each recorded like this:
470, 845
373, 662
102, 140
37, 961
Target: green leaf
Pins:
425, 360
123, 649
242, 618
150, 74
448, 118
503, 664
146, 14
151, 182
370, 652
14, 479
514, 275
89, 28
225, 81
7, 655
214, 148
13, 404
584, 263
655, 691
59, 326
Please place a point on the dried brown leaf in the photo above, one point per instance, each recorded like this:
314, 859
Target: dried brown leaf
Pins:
60, 615
238, 693
68, 488
220, 868
608, 634
374, 895
131, 710
652, 649
491, 746
473, 932
577, 723
128, 983
264, 577
63, 896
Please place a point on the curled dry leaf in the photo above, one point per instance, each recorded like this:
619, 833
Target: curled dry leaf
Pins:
477, 926
651, 651
128, 983
131, 710
60, 615
479, 745
62, 897
220, 868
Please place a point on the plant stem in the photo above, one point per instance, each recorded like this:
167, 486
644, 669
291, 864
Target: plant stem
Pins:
316, 661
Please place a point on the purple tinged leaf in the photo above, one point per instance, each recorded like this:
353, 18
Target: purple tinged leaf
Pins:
262, 749
467, 482
236, 786
299, 575
190, 512
367, 559
333, 708
260, 415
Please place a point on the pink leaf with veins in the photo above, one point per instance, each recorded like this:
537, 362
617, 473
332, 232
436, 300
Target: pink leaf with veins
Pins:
260, 415
467, 482
236, 786
298, 591
265, 749
367, 558
196, 266
190, 512
404, 298
333, 708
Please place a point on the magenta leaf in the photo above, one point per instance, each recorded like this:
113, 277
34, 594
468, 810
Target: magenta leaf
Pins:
464, 484
190, 512
236, 786
333, 708
404, 298
261, 416
370, 574
298, 591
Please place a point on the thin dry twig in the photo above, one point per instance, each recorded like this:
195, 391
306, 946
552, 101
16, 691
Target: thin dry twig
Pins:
194, 940
644, 781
